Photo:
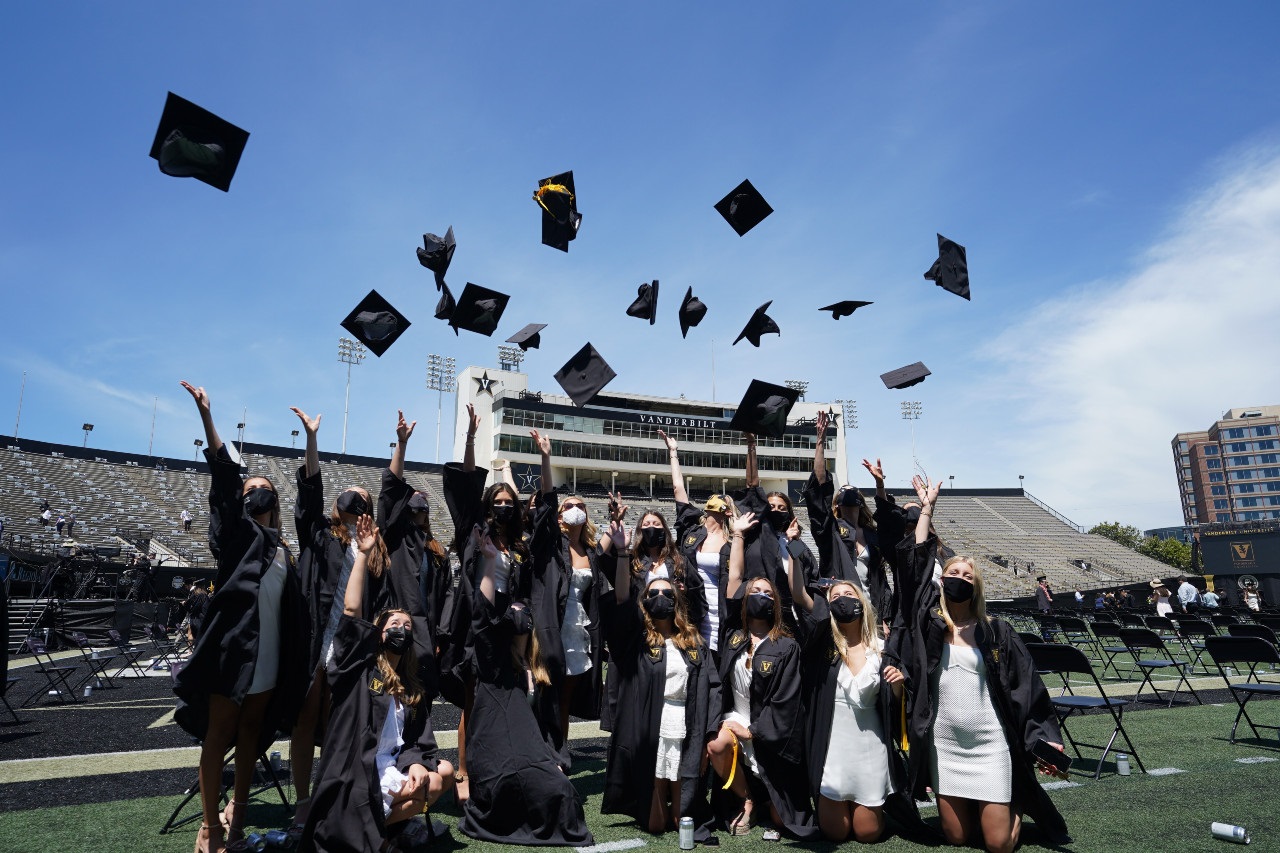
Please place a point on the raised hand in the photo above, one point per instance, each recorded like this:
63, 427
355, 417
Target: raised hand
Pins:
366, 534
403, 429
823, 421
671, 442
199, 395
618, 533
875, 470
744, 522
473, 421
617, 509
927, 492
310, 425
793, 529
543, 442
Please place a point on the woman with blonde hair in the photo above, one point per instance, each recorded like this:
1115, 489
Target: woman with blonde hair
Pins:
978, 707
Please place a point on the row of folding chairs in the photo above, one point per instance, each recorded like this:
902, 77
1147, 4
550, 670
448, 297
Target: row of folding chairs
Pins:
103, 665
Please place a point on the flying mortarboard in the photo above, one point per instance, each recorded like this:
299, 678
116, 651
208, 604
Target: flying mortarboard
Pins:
764, 409
479, 309
951, 270
447, 305
437, 253
744, 208
759, 324
646, 305
192, 142
905, 377
585, 375
530, 337
692, 310
845, 308
559, 202
376, 322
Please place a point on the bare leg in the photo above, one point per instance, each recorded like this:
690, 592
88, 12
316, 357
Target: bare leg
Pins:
463, 789
721, 750
957, 818
835, 818
868, 823
251, 713
1000, 826
224, 715
659, 813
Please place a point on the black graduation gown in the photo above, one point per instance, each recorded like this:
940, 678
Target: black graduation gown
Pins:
552, 577
837, 547
346, 808
821, 670
226, 649
690, 534
519, 795
402, 585
633, 745
463, 493
777, 727
1018, 695
762, 557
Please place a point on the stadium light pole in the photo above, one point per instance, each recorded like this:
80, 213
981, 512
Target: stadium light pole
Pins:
88, 428
509, 358
293, 440
21, 393
800, 385
1021, 484
911, 411
349, 352
240, 432
848, 420
199, 443
441, 377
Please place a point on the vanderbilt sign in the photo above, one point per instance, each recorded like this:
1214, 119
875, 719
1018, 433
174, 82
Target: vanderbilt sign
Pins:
1242, 555
691, 423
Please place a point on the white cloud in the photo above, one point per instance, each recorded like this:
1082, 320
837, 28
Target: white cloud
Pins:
1110, 372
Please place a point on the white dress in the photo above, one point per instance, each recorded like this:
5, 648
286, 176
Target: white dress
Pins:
1163, 607
671, 725
390, 739
709, 571
741, 713
970, 756
270, 592
573, 630
857, 765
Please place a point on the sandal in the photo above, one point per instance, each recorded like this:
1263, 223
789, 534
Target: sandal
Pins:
741, 825
233, 822
461, 790
205, 840
295, 830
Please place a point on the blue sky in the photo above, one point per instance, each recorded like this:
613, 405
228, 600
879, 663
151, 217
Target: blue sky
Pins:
1113, 169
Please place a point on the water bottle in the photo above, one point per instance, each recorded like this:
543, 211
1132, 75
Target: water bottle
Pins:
277, 838
686, 833
1122, 763
275, 761
88, 691
1229, 832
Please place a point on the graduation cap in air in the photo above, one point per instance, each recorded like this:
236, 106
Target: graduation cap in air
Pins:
585, 375
436, 253
743, 208
646, 305
192, 142
845, 308
764, 409
692, 310
376, 323
530, 337
478, 310
446, 305
951, 270
905, 377
559, 202
759, 324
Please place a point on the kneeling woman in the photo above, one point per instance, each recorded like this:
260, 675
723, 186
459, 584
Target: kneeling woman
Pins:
978, 706
668, 705
379, 737
760, 748
853, 769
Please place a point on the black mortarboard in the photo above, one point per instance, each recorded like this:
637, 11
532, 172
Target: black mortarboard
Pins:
376, 322
559, 202
905, 377
692, 310
446, 306
759, 324
764, 409
951, 270
744, 208
437, 253
646, 305
845, 308
530, 337
192, 142
585, 375
479, 309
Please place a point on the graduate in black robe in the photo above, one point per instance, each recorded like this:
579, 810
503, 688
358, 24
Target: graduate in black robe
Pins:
764, 552
217, 699
638, 628
772, 728
418, 573
519, 794
1018, 695
373, 675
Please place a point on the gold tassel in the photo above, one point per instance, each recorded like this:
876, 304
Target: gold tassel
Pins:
550, 188
905, 746
733, 768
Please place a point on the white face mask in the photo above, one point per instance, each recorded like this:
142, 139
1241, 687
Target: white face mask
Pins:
573, 516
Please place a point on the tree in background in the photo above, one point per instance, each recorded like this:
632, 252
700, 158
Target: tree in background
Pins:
1127, 535
1171, 552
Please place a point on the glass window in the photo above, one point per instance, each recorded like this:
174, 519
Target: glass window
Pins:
1210, 450
1186, 460
1248, 502
1222, 516
1243, 489
1264, 430
1269, 472
1217, 490
1235, 432
1215, 478
1238, 447
1268, 458
1220, 504
1273, 500
1213, 463
1236, 461
1249, 516
1182, 445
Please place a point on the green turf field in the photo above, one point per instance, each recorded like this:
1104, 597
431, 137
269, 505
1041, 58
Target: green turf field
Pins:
1138, 813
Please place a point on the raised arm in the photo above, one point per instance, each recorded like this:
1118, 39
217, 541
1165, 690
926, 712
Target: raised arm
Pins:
206, 416
311, 426
928, 495
677, 476
737, 552
544, 447
799, 594
403, 431
878, 474
820, 450
617, 538
753, 472
366, 539
473, 424
617, 512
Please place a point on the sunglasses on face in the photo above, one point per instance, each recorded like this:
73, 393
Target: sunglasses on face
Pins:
663, 593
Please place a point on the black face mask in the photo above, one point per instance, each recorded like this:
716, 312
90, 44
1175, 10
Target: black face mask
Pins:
659, 606
418, 503
846, 608
396, 640
779, 521
760, 606
521, 620
502, 512
957, 589
259, 501
653, 537
850, 498
353, 503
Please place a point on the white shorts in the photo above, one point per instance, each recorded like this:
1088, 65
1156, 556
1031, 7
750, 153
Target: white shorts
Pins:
391, 782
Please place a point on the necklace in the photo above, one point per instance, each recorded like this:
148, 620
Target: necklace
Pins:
960, 626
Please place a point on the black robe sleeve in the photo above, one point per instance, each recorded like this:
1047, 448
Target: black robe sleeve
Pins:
463, 494
226, 513
817, 501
